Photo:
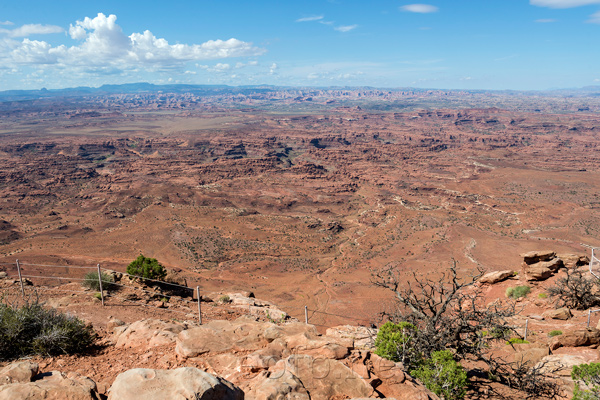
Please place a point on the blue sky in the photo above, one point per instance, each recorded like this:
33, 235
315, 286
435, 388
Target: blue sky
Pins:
459, 44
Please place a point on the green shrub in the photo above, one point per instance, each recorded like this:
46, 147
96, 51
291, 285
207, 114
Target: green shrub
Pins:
98, 296
588, 376
224, 299
517, 291
542, 295
33, 329
554, 333
516, 340
148, 268
395, 342
90, 281
443, 376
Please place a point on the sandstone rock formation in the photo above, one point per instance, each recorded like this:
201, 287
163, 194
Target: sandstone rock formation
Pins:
540, 265
181, 383
562, 313
496, 276
52, 386
576, 338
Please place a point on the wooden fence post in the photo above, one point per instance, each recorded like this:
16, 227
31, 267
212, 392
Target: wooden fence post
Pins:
199, 309
100, 283
20, 279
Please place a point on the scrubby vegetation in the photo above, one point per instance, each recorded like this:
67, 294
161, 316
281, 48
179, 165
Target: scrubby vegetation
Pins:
517, 340
587, 381
439, 324
555, 333
91, 281
443, 375
148, 268
575, 291
32, 329
517, 291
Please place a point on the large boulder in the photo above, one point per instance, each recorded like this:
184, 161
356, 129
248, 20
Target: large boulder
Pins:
573, 261
243, 334
21, 371
538, 273
361, 336
530, 354
559, 364
147, 333
181, 383
533, 257
542, 270
496, 276
325, 378
279, 385
562, 313
219, 336
52, 386
576, 338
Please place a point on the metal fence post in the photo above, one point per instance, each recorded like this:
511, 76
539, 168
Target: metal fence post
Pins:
589, 316
20, 279
199, 309
100, 284
306, 314
526, 327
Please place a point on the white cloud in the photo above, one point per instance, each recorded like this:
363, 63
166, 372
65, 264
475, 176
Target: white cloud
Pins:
31, 29
222, 67
272, 69
594, 18
312, 18
419, 8
562, 3
545, 20
6, 23
345, 28
104, 47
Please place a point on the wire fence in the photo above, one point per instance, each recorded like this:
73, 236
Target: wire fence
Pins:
125, 289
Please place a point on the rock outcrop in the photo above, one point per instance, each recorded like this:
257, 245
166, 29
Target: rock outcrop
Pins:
181, 383
540, 265
52, 386
496, 276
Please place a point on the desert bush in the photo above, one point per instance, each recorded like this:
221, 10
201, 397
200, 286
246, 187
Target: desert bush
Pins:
90, 281
555, 333
443, 375
396, 342
148, 268
224, 299
542, 295
575, 291
453, 314
32, 329
587, 381
517, 340
517, 291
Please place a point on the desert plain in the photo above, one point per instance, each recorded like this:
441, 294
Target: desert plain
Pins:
298, 195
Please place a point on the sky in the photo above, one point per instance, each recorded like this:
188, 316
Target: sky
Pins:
445, 44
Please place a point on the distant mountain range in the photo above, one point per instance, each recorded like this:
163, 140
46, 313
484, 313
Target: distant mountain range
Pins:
144, 87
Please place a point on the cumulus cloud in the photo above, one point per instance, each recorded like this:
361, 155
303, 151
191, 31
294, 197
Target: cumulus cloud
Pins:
345, 28
312, 18
103, 46
562, 3
419, 8
6, 23
272, 69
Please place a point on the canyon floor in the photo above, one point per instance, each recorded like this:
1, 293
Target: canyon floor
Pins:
297, 203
